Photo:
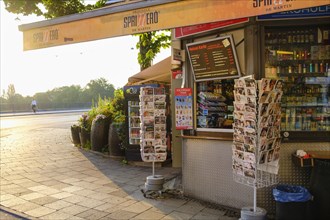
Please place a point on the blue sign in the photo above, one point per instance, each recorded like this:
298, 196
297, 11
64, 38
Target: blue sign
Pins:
321, 11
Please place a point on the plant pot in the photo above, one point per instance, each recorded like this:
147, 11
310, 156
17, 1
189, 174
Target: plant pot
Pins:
85, 138
99, 134
75, 130
114, 140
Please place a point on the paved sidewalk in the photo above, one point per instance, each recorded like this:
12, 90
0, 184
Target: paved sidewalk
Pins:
43, 176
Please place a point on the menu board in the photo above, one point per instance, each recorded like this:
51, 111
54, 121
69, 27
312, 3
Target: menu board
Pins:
214, 59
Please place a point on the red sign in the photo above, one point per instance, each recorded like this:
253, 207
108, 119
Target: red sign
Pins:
183, 108
195, 29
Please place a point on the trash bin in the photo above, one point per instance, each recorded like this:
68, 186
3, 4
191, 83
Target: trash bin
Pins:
320, 187
292, 202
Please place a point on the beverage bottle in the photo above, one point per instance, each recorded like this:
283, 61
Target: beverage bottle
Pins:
311, 36
289, 37
306, 36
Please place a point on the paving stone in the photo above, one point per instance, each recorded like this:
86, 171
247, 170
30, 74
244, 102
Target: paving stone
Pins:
61, 195
41, 211
75, 198
60, 204
90, 203
122, 215
138, 207
178, 216
74, 209
152, 215
58, 215
25, 207
31, 196
44, 200
205, 216
71, 189
115, 200
13, 202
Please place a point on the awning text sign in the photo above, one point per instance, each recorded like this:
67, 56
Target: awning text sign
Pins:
164, 16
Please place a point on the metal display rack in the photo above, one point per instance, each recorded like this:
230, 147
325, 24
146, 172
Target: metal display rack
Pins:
257, 119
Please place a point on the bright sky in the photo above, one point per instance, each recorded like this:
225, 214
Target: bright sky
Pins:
76, 64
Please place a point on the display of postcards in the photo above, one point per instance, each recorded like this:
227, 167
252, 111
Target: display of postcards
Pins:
238, 154
159, 91
270, 144
160, 141
249, 148
148, 149
147, 91
148, 113
250, 107
271, 84
238, 166
160, 127
249, 157
262, 157
240, 91
250, 166
160, 120
271, 97
239, 107
264, 121
239, 83
278, 85
251, 91
160, 157
147, 143
147, 98
238, 123
238, 146
160, 134
160, 98
148, 121
240, 98
149, 135
263, 110
251, 100
277, 143
238, 138
250, 140
239, 130
250, 116
159, 112
249, 132
263, 97
147, 105
148, 128
249, 173
270, 155
263, 86
250, 124
271, 120
263, 132
277, 121
270, 133
160, 148
239, 115
278, 96
160, 105
250, 83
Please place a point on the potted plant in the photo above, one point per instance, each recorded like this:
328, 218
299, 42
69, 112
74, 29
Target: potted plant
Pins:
85, 135
75, 130
99, 132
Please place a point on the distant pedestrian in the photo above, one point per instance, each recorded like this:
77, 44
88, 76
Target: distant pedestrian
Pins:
34, 105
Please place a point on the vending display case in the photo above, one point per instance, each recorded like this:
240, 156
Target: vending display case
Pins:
134, 128
215, 104
301, 57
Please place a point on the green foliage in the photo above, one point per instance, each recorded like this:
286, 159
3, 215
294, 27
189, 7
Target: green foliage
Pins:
150, 44
50, 8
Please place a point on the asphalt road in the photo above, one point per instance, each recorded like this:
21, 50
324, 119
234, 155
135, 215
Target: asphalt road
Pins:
22, 123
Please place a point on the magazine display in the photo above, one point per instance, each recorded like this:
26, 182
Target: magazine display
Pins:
257, 119
153, 124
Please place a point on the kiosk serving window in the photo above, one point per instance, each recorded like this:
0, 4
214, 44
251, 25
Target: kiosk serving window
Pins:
215, 104
214, 65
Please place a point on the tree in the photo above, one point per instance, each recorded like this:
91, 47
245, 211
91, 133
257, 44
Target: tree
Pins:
99, 88
149, 43
11, 93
